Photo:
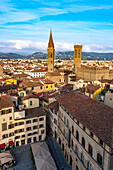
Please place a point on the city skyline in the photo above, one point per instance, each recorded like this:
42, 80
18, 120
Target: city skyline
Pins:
25, 25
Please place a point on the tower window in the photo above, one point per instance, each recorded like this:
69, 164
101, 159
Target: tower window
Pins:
75, 53
78, 53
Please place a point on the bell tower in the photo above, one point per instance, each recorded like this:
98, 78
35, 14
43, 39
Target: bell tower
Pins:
77, 57
50, 54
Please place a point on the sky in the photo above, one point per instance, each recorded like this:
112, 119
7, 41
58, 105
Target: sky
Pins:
25, 25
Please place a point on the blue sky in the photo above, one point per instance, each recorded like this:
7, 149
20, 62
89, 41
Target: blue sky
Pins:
25, 25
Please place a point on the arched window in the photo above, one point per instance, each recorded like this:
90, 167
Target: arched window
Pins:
99, 159
90, 149
76, 149
68, 123
72, 142
64, 119
89, 167
73, 129
64, 132
82, 157
77, 135
83, 142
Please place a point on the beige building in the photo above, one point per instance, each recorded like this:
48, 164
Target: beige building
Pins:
21, 123
88, 73
85, 132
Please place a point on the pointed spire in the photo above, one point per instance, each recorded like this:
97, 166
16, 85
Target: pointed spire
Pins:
50, 44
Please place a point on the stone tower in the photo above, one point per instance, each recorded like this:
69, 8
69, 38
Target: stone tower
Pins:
50, 54
77, 57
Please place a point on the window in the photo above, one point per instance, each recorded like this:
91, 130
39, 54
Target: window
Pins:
41, 119
51, 86
91, 133
11, 134
10, 110
41, 125
101, 142
55, 121
11, 126
5, 136
16, 124
51, 55
64, 119
76, 150
72, 143
77, 135
10, 118
46, 86
84, 128
99, 159
89, 167
21, 123
21, 94
75, 53
2, 112
90, 150
34, 133
4, 126
23, 136
40, 87
28, 121
77, 122
31, 103
21, 130
34, 120
28, 128
29, 134
51, 62
42, 131
35, 127
68, 123
40, 137
16, 131
73, 129
83, 142
17, 137
32, 88
82, 157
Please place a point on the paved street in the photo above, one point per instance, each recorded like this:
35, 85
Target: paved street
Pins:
57, 154
23, 158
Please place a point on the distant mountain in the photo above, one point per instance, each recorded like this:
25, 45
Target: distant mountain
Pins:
37, 55
59, 55
10, 56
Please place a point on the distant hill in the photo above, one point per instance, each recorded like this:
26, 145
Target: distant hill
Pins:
10, 56
59, 55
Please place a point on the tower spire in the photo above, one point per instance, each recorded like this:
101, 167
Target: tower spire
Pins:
51, 44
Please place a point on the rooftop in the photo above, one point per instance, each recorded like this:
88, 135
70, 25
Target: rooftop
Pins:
96, 116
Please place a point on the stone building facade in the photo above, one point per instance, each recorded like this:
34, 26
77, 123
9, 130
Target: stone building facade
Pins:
83, 132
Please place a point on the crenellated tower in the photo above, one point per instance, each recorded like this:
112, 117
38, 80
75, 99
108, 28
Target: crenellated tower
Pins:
50, 54
77, 57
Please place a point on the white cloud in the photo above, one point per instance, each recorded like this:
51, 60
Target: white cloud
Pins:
29, 47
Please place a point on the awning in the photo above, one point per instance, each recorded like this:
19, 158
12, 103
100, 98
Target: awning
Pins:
10, 143
2, 146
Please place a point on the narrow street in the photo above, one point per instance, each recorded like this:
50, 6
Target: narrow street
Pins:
57, 154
